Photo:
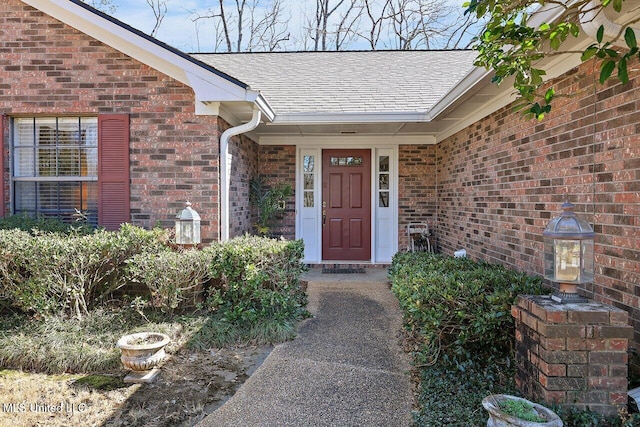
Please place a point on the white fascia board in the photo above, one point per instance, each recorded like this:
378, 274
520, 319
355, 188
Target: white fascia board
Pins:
207, 85
468, 82
347, 141
346, 117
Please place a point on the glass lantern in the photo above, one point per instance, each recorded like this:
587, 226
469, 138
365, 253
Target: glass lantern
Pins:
568, 254
188, 226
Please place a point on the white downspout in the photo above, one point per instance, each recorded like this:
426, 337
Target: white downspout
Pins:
594, 17
225, 169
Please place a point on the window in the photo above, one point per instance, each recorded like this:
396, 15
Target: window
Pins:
55, 166
346, 161
383, 181
308, 165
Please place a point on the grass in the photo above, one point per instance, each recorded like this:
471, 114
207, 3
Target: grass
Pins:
59, 344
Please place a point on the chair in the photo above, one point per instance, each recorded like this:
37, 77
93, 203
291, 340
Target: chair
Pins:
419, 237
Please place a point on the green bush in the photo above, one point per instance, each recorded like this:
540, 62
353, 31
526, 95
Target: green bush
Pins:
171, 277
50, 273
259, 279
43, 224
458, 308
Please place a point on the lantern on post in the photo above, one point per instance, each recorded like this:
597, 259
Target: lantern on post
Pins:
188, 226
568, 254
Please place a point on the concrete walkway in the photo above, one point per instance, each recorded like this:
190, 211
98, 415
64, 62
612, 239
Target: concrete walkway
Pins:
345, 368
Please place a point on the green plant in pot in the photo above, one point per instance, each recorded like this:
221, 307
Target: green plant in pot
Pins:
269, 201
511, 411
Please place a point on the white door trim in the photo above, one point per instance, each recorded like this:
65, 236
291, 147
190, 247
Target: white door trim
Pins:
309, 220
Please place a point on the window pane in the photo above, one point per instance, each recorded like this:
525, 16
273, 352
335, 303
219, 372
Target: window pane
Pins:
68, 131
89, 162
308, 163
69, 196
346, 161
69, 162
23, 132
47, 200
24, 162
47, 165
384, 181
25, 197
90, 202
383, 200
46, 131
308, 181
383, 163
308, 199
89, 131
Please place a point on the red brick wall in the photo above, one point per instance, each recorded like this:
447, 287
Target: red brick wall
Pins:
244, 167
416, 188
48, 68
502, 179
278, 165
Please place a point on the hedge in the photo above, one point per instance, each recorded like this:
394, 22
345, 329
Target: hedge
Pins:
456, 307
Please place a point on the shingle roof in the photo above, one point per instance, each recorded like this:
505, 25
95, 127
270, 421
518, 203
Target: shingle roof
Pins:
353, 82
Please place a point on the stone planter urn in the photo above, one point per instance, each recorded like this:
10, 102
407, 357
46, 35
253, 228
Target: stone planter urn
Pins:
499, 418
142, 353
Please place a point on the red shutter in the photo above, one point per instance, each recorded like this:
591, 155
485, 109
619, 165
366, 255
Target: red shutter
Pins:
4, 124
113, 170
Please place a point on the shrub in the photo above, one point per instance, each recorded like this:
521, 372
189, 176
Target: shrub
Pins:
171, 277
50, 273
40, 224
456, 307
259, 279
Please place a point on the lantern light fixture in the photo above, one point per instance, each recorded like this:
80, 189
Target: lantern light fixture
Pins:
568, 254
188, 226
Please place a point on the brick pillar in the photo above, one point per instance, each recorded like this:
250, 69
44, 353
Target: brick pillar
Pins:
574, 354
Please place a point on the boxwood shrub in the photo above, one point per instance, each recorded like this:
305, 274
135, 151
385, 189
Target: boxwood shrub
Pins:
51, 273
257, 278
459, 328
458, 308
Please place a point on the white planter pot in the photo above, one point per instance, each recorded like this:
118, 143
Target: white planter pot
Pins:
139, 355
498, 418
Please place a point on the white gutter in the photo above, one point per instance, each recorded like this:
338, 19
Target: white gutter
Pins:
225, 169
594, 17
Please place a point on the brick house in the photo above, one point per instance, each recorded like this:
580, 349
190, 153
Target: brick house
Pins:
100, 117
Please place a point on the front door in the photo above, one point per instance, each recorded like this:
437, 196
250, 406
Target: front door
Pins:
346, 205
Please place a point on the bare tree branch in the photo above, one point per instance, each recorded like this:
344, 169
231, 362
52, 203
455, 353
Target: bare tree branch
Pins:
159, 8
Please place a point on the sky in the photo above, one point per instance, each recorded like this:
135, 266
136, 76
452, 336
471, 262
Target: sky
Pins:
179, 29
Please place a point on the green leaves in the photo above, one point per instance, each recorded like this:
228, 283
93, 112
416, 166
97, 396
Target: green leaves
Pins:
455, 307
606, 69
511, 48
630, 38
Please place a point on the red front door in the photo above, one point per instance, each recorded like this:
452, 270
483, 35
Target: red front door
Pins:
346, 205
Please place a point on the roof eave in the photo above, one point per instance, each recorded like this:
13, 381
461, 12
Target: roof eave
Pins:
349, 117
479, 76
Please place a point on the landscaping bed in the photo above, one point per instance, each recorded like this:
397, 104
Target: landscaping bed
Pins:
461, 335
68, 296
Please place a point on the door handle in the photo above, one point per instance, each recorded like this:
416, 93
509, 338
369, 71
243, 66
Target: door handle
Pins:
324, 212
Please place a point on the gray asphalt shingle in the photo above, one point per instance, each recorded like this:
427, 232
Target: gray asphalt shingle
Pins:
353, 82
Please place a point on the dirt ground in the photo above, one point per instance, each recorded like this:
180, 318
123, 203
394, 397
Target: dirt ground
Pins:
190, 386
